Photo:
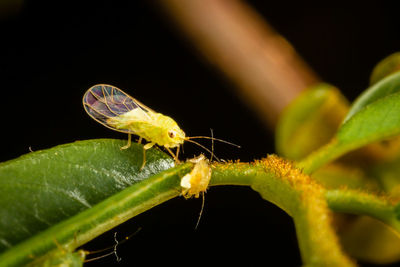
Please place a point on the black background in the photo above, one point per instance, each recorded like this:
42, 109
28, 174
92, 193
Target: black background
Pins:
52, 51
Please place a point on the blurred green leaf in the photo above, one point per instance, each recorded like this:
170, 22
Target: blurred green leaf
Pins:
373, 117
397, 211
387, 173
377, 121
43, 188
385, 67
385, 87
310, 121
370, 240
334, 176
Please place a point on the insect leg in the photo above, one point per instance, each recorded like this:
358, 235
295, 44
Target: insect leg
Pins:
177, 153
128, 145
148, 146
140, 140
173, 155
145, 147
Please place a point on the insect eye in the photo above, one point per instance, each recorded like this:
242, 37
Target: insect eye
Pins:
171, 134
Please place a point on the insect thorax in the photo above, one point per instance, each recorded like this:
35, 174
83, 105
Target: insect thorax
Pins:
154, 127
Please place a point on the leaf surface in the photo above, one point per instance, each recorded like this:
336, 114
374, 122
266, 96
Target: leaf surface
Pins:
385, 87
385, 67
372, 118
43, 188
310, 121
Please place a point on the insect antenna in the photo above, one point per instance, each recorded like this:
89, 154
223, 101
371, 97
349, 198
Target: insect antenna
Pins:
201, 210
212, 138
114, 248
203, 147
212, 145
108, 254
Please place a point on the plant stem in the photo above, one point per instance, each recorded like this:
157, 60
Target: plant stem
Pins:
279, 182
356, 202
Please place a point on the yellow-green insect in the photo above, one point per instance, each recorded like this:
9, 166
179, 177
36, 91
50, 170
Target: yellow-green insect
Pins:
118, 111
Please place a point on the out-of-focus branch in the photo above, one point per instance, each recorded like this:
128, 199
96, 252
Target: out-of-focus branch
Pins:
264, 66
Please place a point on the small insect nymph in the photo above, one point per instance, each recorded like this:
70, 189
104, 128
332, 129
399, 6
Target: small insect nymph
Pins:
196, 182
118, 111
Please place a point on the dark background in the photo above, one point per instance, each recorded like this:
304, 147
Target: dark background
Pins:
52, 51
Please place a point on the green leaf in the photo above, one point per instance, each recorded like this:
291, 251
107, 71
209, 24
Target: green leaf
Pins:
397, 211
369, 240
385, 67
310, 121
377, 121
387, 173
373, 117
385, 87
43, 188
335, 176
73, 232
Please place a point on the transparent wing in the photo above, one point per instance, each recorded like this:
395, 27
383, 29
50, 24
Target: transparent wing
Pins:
104, 101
